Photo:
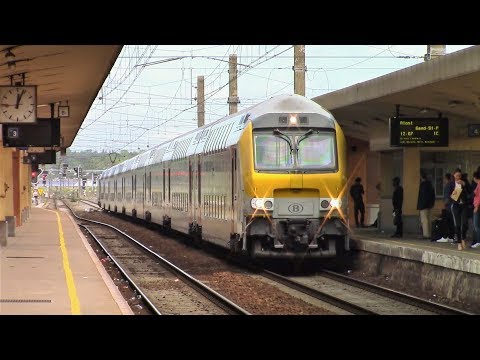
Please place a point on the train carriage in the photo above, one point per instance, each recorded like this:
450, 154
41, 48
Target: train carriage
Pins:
269, 180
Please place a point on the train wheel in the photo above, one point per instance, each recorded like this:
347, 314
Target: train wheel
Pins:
254, 247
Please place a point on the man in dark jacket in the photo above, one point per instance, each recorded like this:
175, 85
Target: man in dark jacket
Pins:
426, 200
356, 192
397, 202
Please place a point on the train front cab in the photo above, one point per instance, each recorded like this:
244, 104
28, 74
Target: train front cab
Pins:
294, 207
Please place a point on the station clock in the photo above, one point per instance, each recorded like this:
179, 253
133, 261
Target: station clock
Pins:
18, 104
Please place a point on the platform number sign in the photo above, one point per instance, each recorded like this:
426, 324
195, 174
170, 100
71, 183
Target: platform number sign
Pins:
13, 133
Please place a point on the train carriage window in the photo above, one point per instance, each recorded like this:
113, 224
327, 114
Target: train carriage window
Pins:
210, 140
218, 136
227, 135
223, 131
229, 129
224, 136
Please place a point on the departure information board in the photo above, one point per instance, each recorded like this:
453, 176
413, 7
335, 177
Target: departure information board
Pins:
405, 131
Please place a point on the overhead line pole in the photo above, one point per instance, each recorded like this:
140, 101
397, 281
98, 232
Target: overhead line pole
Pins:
299, 70
200, 101
232, 85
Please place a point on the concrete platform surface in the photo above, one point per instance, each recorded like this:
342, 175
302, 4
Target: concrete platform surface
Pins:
412, 247
48, 268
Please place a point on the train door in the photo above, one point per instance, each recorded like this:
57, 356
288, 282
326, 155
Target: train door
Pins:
123, 193
234, 196
169, 187
134, 191
190, 190
144, 193
149, 196
164, 188
199, 203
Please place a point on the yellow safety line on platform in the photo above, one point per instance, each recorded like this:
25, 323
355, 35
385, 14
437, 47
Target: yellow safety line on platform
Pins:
72, 291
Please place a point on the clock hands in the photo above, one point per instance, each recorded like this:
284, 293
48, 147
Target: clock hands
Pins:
19, 97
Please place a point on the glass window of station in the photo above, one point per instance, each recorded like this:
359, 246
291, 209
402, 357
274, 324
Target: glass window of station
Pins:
437, 164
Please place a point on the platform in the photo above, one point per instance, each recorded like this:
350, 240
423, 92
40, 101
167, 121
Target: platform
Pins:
429, 269
411, 247
49, 268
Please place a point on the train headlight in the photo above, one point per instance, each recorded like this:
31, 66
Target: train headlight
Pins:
293, 120
336, 203
262, 203
268, 205
325, 204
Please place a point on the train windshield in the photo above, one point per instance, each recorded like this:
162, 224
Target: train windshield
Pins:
303, 151
271, 152
317, 151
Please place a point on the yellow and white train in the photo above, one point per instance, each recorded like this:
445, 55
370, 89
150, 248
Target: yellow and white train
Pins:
269, 180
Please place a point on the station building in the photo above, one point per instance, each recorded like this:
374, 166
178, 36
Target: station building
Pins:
446, 86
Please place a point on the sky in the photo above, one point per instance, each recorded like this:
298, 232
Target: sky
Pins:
149, 96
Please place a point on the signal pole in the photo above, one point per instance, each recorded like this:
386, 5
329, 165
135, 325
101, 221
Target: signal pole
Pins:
200, 101
232, 84
299, 70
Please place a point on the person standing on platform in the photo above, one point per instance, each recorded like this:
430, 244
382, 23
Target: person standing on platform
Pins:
447, 179
458, 207
397, 202
35, 196
356, 192
426, 200
476, 211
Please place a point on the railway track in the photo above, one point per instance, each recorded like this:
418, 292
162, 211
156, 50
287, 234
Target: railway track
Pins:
359, 297
351, 295
91, 203
155, 278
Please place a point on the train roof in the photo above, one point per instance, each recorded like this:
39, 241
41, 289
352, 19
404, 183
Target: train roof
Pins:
225, 131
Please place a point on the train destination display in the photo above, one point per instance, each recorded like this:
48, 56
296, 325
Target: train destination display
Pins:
418, 131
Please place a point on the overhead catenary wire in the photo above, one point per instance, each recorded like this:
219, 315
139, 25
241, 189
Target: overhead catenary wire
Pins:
141, 111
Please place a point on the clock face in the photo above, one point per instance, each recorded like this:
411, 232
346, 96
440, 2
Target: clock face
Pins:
18, 104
